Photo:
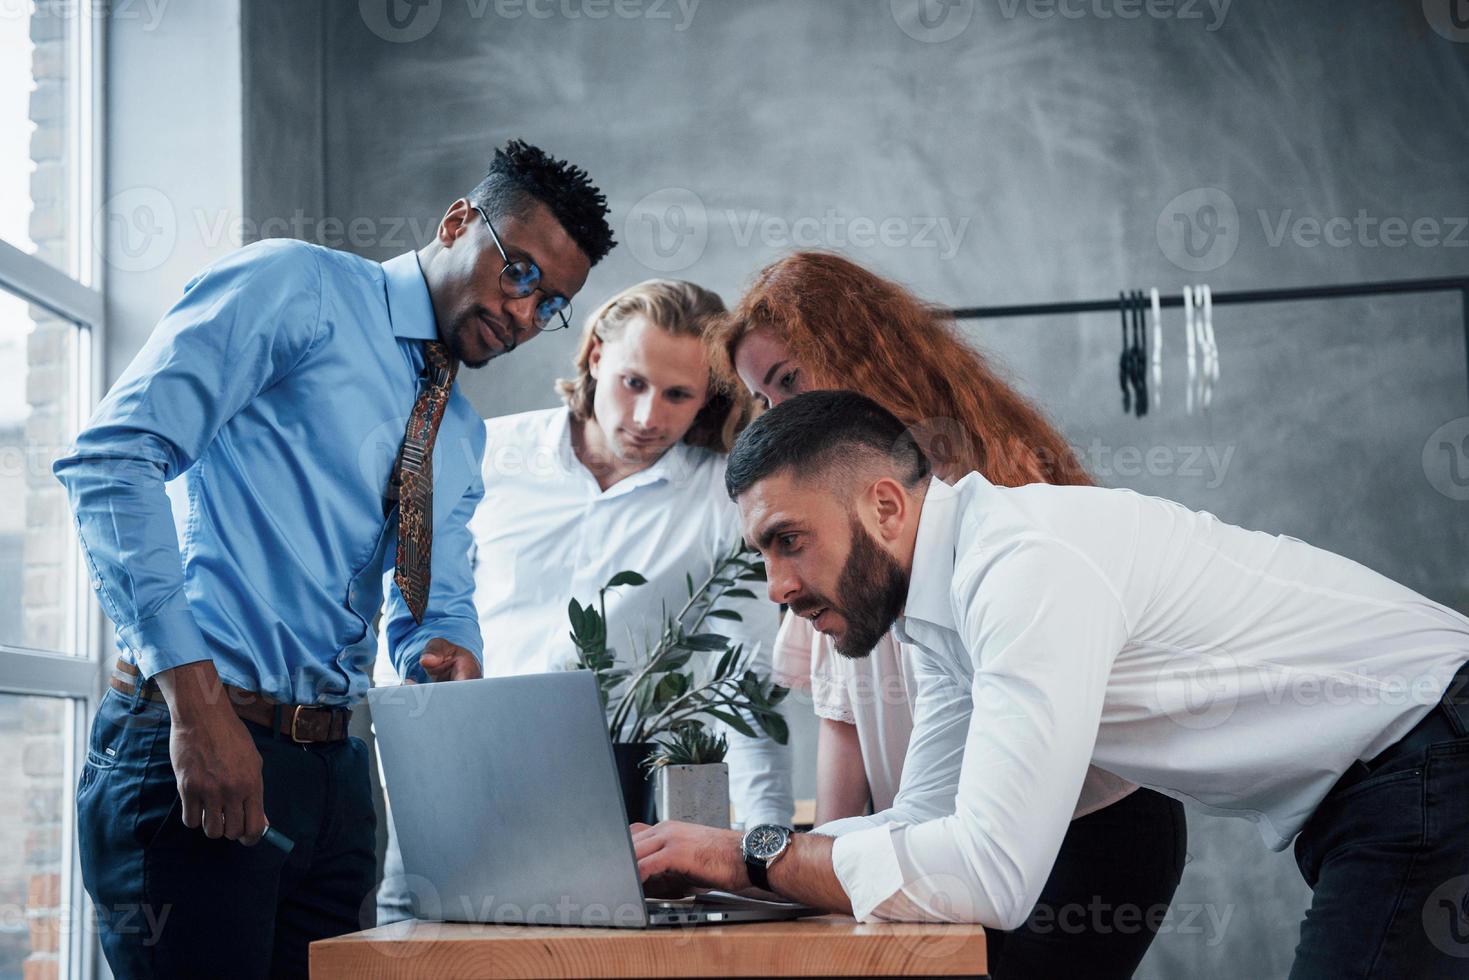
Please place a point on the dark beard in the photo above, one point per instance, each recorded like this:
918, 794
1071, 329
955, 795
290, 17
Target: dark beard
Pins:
872, 589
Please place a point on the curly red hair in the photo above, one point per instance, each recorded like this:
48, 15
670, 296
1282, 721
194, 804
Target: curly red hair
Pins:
850, 328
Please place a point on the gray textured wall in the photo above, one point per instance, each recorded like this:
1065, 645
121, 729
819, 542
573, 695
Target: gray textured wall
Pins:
173, 152
1006, 152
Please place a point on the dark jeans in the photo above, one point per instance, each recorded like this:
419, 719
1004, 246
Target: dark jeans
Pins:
1387, 857
173, 903
1106, 897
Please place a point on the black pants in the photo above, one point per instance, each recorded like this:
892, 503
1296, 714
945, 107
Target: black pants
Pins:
1106, 897
1387, 857
173, 903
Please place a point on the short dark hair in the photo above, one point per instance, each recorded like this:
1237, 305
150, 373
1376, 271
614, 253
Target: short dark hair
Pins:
521, 173
820, 429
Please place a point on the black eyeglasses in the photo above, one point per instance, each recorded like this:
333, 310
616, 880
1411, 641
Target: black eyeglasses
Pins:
520, 278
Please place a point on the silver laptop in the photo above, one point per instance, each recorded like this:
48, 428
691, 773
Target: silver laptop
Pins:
508, 810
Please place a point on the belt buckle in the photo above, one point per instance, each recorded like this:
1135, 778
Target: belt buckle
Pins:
296, 720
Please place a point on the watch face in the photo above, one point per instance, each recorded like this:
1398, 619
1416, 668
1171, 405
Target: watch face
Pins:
767, 841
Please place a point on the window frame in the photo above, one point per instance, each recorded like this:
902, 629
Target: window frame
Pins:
79, 678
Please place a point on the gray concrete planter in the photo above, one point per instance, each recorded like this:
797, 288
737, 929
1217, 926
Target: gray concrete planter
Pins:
695, 794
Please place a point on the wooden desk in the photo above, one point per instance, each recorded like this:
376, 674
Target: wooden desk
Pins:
829, 946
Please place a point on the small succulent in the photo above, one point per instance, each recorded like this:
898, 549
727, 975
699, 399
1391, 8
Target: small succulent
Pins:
691, 744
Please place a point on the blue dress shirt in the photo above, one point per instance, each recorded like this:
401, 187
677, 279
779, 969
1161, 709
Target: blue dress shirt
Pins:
279, 386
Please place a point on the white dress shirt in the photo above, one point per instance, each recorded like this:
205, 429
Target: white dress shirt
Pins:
547, 533
1240, 670
881, 695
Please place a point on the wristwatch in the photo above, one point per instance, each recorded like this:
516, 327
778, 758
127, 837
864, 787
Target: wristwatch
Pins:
763, 845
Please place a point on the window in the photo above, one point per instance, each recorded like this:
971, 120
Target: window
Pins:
41, 603
37, 924
44, 131
50, 322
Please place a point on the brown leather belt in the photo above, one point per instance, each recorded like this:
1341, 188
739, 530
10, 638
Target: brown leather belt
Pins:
304, 723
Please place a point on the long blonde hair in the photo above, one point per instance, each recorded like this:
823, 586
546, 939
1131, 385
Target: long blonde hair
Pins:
684, 310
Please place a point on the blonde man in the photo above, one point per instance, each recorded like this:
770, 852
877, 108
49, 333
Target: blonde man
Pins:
627, 474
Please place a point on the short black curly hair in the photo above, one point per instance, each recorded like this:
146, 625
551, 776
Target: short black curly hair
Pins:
521, 173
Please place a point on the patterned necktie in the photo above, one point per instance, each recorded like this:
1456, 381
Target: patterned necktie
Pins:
412, 482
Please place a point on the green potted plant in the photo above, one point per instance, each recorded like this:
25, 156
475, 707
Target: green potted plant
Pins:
692, 776
687, 675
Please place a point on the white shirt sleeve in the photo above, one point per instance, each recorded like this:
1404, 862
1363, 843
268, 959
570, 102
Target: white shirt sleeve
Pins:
1042, 634
930, 777
941, 721
931, 766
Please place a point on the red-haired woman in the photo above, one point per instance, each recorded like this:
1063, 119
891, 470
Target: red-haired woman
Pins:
815, 320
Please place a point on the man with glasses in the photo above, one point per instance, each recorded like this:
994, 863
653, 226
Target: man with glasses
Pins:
307, 397
520, 278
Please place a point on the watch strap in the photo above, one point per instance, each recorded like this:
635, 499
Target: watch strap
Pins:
757, 871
